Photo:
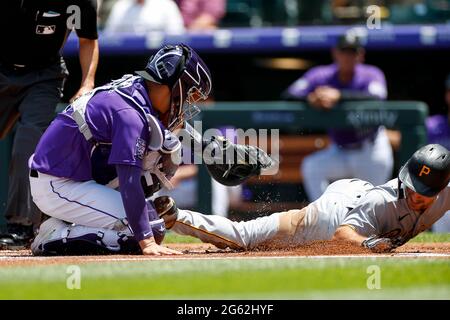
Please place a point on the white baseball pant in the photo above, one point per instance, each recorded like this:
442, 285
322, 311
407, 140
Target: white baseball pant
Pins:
318, 221
373, 162
83, 203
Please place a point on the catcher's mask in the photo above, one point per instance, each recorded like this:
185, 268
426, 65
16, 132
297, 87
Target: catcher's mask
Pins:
427, 172
187, 76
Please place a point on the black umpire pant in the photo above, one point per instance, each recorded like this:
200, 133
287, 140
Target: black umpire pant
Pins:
34, 93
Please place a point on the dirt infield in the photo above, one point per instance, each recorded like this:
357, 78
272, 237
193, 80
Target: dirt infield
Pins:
206, 251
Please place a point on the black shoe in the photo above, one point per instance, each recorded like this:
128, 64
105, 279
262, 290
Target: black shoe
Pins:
167, 209
17, 237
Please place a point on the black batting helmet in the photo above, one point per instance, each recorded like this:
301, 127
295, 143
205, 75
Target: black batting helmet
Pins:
427, 172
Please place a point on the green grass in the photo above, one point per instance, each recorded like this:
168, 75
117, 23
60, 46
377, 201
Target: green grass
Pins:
432, 237
293, 278
172, 237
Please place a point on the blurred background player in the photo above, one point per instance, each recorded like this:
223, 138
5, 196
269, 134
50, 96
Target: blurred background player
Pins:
438, 126
361, 153
202, 14
141, 16
32, 74
438, 130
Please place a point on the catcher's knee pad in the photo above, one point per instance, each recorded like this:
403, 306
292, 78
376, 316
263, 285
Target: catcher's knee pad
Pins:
167, 209
290, 223
57, 237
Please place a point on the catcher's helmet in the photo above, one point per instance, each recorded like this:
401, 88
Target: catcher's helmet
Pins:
427, 172
184, 72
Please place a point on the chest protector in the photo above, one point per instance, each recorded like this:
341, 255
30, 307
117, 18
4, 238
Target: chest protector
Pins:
162, 145
79, 111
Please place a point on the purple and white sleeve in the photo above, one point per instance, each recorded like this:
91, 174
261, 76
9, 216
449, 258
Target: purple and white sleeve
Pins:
303, 86
377, 85
133, 198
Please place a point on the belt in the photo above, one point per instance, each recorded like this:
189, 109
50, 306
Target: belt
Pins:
34, 173
16, 68
20, 67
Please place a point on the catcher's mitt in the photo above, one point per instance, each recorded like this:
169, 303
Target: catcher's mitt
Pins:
231, 164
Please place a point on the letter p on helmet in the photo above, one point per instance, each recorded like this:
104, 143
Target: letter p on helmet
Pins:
425, 170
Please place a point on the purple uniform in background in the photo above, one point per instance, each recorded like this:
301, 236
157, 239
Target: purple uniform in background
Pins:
64, 152
368, 83
438, 130
192, 9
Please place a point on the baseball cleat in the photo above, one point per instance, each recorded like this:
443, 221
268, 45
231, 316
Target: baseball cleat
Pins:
167, 209
49, 230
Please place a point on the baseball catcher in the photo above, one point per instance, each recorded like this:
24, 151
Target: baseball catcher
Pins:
112, 148
380, 218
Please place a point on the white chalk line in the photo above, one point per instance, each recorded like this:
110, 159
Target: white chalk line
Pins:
103, 259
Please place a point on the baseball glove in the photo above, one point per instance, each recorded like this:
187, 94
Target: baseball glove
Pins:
231, 164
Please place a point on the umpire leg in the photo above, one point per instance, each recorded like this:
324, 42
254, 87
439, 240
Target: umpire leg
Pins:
37, 111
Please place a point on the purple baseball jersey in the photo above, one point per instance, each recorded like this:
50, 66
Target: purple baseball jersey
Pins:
368, 82
438, 130
64, 152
